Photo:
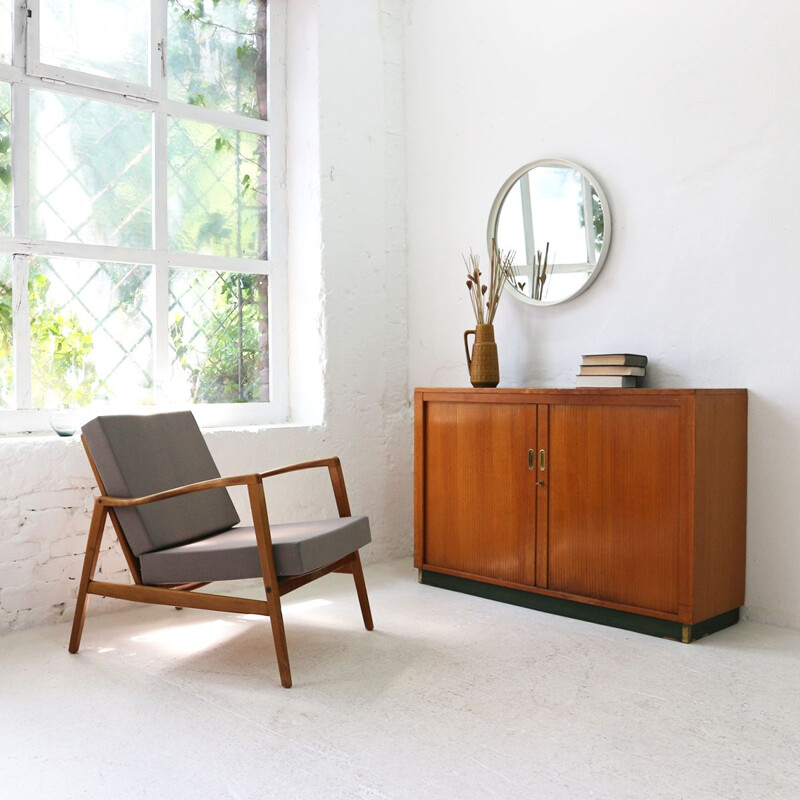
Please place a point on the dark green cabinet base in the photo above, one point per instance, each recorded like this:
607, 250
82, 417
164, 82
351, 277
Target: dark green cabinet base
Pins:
639, 623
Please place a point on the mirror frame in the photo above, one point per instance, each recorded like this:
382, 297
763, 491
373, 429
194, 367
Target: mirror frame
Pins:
498, 205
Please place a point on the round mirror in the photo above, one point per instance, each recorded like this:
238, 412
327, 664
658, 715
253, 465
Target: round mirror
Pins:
553, 215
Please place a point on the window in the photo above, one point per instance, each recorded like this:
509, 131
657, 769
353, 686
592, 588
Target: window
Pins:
142, 241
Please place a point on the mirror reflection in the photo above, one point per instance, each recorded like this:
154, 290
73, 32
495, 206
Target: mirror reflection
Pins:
555, 218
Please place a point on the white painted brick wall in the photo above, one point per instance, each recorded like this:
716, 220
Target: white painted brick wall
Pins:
45, 497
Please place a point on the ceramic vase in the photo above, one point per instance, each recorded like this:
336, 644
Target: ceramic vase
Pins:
483, 365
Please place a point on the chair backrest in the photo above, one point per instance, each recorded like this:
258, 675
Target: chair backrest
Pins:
137, 455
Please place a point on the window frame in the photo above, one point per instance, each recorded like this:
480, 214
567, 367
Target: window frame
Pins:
20, 245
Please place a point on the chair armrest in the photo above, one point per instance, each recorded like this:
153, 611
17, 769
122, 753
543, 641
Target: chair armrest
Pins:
322, 462
334, 466
214, 483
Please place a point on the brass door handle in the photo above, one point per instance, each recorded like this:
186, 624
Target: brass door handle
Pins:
542, 461
530, 459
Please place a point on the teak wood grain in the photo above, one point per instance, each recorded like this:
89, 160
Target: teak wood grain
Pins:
479, 497
720, 506
614, 521
641, 505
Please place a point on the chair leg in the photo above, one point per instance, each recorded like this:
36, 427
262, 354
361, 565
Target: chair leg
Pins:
361, 588
89, 565
279, 637
258, 505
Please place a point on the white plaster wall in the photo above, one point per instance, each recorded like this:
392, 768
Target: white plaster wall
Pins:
359, 317
688, 113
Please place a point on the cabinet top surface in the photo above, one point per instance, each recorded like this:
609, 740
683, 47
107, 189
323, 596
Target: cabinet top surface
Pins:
602, 392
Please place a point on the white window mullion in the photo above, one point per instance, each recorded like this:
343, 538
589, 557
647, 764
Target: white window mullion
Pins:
220, 263
20, 160
161, 331
158, 82
20, 226
132, 255
20, 27
588, 222
223, 119
161, 319
527, 224
278, 225
31, 30
209, 116
158, 44
72, 77
21, 331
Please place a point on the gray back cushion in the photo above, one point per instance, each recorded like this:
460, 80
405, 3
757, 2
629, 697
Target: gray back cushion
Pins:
140, 455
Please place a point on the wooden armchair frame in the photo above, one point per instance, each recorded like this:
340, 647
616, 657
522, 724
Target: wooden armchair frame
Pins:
180, 595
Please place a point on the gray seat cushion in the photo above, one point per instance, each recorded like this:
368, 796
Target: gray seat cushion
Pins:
138, 455
299, 547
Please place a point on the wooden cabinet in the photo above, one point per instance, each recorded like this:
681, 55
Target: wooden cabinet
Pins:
622, 506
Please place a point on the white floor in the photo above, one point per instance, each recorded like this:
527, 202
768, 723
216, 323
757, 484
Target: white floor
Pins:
450, 697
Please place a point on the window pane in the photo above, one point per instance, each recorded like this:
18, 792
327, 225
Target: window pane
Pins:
91, 331
5, 159
6, 353
557, 208
511, 227
91, 166
217, 55
217, 184
102, 37
6, 26
219, 337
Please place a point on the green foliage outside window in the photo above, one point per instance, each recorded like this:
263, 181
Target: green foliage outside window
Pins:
60, 347
216, 49
222, 352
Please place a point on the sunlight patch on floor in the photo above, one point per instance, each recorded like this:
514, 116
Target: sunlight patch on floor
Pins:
188, 638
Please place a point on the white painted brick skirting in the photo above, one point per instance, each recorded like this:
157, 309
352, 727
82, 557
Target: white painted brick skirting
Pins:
45, 507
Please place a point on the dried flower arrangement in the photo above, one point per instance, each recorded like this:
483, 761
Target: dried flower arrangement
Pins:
486, 297
541, 275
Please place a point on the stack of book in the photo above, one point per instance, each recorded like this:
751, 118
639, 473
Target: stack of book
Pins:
620, 370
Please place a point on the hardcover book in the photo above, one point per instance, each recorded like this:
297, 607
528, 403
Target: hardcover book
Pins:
617, 359
611, 370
